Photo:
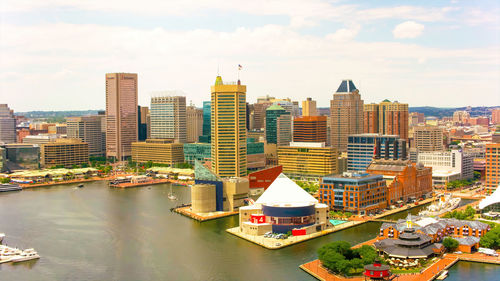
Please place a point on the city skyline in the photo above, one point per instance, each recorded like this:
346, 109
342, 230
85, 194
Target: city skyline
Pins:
423, 49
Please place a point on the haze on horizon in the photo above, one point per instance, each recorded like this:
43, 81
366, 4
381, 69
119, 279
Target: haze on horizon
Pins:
54, 54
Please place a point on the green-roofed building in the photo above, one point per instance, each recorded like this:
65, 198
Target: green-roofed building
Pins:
278, 125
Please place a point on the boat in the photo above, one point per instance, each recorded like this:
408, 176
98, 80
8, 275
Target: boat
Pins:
80, 185
171, 195
26, 255
4, 187
446, 203
443, 275
2, 236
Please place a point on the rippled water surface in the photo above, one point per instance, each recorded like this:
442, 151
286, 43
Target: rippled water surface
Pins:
98, 233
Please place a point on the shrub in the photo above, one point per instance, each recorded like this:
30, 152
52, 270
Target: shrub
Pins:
450, 244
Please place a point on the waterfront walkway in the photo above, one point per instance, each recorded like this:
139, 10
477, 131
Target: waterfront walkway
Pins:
428, 274
273, 244
186, 211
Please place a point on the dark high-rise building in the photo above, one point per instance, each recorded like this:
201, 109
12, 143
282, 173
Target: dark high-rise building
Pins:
142, 115
207, 125
273, 114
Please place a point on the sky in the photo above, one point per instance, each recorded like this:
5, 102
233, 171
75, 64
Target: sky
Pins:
54, 54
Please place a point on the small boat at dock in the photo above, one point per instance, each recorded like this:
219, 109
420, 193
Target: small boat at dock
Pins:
443, 275
80, 185
446, 203
4, 187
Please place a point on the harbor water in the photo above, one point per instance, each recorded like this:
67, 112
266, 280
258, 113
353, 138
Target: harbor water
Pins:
99, 233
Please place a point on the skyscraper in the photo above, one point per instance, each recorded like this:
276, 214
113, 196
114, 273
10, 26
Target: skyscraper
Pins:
284, 130
7, 125
309, 107
428, 138
309, 129
492, 179
386, 118
194, 121
207, 123
121, 114
168, 117
142, 119
229, 144
346, 113
273, 113
88, 129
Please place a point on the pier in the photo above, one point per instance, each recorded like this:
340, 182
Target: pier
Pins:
185, 210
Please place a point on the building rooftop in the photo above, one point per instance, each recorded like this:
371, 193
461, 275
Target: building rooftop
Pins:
284, 192
275, 107
352, 177
346, 86
307, 144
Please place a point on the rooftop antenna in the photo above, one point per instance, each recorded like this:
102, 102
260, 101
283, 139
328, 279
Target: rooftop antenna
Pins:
239, 69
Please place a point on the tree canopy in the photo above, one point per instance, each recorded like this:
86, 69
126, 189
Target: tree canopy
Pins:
491, 239
467, 214
450, 244
339, 257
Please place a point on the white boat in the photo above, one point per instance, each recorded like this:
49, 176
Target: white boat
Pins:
171, 195
443, 275
4, 187
446, 203
26, 255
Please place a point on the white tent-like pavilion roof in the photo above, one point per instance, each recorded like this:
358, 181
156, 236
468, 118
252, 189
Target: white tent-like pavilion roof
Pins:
284, 192
490, 200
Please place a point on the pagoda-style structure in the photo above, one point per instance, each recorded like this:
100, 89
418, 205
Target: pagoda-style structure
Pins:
409, 245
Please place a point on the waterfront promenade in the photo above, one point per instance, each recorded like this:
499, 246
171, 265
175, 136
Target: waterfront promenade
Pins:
273, 244
186, 211
315, 268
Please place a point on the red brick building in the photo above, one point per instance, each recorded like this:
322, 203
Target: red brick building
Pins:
404, 178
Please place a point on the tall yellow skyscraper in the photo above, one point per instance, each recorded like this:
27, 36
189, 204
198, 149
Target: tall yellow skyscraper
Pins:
229, 146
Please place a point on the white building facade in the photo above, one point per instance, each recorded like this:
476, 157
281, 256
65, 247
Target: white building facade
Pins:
448, 165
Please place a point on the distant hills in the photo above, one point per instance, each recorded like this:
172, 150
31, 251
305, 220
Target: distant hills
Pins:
55, 114
448, 111
427, 110
438, 111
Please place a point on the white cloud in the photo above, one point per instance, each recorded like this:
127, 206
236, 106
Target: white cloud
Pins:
408, 29
62, 66
301, 13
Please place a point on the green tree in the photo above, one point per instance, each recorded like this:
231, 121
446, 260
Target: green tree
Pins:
491, 239
331, 260
450, 244
4, 180
477, 175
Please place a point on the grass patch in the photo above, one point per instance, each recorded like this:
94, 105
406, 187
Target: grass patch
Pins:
406, 271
